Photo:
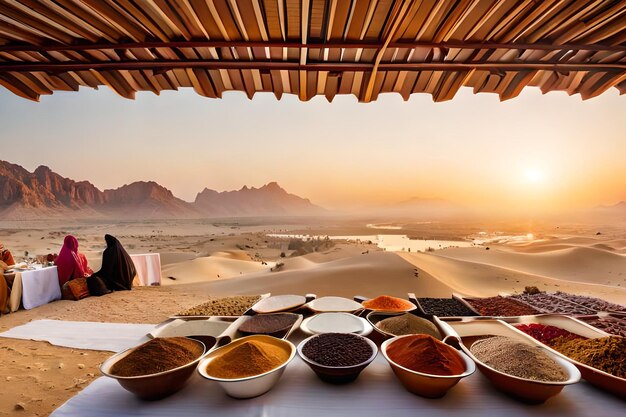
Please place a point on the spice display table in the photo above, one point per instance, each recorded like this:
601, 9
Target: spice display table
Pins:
34, 288
300, 393
148, 267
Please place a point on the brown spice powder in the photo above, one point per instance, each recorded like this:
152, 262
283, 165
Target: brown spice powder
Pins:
607, 354
157, 355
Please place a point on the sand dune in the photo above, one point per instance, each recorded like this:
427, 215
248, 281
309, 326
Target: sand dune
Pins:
482, 280
576, 264
209, 268
369, 275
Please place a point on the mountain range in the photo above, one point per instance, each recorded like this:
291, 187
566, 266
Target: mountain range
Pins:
44, 193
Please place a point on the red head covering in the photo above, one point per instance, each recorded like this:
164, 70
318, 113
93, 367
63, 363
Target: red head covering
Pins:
68, 262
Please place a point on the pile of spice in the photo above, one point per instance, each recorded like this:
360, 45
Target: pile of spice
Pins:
337, 349
408, 324
250, 358
500, 306
593, 303
157, 355
547, 303
607, 354
518, 359
425, 354
608, 324
268, 323
225, 306
387, 303
546, 334
444, 307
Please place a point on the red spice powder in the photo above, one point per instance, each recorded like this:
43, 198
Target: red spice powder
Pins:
546, 334
424, 353
387, 303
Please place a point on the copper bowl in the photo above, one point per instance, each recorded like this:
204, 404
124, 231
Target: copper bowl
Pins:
423, 384
154, 386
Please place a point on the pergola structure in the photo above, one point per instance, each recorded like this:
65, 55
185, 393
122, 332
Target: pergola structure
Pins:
314, 47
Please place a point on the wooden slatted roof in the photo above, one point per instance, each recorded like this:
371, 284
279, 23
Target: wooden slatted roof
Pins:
313, 47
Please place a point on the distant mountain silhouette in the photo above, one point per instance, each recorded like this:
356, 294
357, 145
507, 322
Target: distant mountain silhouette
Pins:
44, 193
270, 199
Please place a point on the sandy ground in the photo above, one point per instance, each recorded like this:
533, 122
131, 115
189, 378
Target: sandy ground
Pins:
225, 258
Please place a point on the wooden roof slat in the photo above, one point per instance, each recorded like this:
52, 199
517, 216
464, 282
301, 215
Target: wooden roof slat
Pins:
51, 11
90, 17
28, 21
314, 47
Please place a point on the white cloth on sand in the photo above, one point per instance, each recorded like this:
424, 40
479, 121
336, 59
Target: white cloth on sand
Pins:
299, 392
39, 286
113, 337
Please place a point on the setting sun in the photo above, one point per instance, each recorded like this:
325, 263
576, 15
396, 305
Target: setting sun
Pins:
534, 175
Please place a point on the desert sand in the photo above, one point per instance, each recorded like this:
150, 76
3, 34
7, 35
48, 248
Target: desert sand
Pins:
223, 258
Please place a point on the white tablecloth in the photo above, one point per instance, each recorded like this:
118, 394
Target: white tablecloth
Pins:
38, 287
376, 393
148, 267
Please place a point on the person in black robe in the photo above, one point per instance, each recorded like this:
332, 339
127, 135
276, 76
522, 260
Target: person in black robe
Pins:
117, 271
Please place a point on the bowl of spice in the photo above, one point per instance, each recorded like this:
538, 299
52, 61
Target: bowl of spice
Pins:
335, 323
248, 367
337, 358
276, 324
157, 368
400, 324
388, 303
426, 366
521, 369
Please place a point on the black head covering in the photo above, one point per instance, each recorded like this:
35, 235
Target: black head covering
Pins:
118, 269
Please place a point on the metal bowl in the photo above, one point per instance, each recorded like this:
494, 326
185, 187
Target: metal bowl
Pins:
251, 386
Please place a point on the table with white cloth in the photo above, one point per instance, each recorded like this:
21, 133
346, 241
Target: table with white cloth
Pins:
35, 287
148, 266
376, 393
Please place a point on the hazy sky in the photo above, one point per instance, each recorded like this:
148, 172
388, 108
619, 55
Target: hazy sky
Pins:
537, 150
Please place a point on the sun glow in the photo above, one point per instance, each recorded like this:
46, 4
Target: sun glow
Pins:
534, 175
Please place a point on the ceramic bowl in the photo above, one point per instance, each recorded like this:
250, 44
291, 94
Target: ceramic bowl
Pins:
255, 385
423, 384
337, 374
153, 386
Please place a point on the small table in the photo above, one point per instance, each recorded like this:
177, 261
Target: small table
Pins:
148, 266
35, 287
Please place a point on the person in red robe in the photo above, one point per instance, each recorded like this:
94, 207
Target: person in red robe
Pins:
71, 263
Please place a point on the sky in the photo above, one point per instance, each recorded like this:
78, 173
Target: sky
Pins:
548, 152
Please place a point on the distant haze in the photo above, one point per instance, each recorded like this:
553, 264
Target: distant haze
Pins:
536, 152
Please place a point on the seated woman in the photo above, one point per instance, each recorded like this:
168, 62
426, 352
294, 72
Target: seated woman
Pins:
71, 263
5, 255
118, 270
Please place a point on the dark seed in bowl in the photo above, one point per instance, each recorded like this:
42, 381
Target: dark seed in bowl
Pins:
337, 349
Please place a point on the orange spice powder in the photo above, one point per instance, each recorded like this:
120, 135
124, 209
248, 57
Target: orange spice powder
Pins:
387, 303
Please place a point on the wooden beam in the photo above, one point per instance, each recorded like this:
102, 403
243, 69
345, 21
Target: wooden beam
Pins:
304, 31
166, 65
367, 97
23, 47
